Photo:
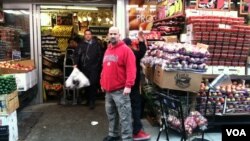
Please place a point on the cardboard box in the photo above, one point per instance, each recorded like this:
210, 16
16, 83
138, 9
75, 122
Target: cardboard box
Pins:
220, 70
209, 70
10, 103
11, 121
23, 81
177, 80
248, 60
190, 28
33, 78
232, 70
149, 72
170, 39
248, 70
240, 71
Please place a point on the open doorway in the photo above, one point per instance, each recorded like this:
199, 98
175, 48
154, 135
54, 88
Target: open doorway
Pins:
58, 25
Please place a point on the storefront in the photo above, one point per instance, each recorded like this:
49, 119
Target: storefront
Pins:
34, 21
190, 43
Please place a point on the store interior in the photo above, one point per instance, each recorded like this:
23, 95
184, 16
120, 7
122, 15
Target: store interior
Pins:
58, 24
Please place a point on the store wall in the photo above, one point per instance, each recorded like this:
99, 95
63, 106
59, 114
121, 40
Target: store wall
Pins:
120, 17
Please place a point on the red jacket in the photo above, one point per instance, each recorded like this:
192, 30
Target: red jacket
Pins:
119, 67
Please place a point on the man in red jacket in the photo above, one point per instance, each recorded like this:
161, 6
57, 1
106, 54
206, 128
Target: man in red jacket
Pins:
117, 78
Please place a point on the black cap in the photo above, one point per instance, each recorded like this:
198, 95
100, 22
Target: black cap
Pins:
127, 41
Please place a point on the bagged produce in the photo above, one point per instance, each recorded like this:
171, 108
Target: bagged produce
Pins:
77, 80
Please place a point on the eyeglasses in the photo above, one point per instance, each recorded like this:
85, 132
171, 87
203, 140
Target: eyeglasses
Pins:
113, 33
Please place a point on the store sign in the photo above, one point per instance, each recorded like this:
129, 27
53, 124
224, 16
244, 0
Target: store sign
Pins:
99, 30
16, 55
170, 8
141, 18
214, 4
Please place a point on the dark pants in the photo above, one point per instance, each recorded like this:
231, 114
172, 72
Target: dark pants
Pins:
136, 110
91, 92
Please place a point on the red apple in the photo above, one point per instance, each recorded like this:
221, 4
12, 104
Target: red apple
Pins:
222, 100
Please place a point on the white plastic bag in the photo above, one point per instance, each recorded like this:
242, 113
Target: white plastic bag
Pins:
77, 80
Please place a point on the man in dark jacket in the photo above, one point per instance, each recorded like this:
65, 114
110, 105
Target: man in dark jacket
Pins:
135, 96
88, 60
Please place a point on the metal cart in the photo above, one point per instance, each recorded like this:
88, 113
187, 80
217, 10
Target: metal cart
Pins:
67, 69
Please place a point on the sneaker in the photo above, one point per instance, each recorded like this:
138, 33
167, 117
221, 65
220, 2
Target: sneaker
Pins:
110, 138
141, 135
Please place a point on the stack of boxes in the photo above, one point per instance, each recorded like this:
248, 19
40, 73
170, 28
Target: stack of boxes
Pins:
9, 102
228, 40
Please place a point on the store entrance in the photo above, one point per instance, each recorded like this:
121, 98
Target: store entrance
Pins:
58, 26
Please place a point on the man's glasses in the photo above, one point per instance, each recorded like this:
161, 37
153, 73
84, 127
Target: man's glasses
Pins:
112, 33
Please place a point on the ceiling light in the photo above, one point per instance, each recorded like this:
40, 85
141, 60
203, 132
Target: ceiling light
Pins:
99, 19
8, 11
89, 18
107, 19
52, 7
81, 8
79, 19
25, 12
68, 7
15, 12
84, 19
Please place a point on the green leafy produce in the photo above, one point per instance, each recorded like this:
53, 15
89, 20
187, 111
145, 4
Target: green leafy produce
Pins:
7, 84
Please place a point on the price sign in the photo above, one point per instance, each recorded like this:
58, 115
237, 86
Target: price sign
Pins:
16, 55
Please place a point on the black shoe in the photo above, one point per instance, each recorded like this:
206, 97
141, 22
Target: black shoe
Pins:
91, 105
109, 138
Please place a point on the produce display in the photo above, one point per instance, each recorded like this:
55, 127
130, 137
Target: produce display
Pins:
177, 56
53, 72
62, 33
233, 98
194, 120
62, 43
170, 26
14, 65
53, 86
228, 38
153, 35
50, 47
7, 84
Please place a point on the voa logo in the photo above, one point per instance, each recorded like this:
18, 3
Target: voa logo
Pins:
236, 132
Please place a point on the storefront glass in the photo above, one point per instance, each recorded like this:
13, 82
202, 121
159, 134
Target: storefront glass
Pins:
15, 35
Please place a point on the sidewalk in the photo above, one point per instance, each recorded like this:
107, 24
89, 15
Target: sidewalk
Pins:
52, 122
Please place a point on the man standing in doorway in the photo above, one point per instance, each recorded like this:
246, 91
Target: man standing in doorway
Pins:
117, 78
88, 60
